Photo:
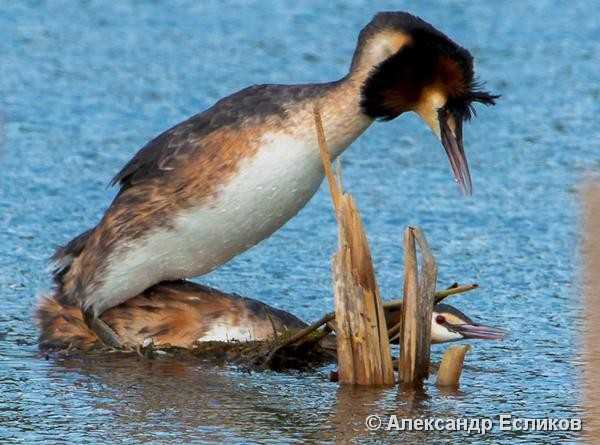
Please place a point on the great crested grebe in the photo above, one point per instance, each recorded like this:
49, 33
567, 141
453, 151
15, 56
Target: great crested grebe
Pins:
182, 313
216, 184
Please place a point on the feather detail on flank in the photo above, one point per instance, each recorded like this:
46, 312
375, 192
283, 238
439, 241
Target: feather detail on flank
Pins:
178, 314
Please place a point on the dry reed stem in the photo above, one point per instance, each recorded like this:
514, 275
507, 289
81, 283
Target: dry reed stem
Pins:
419, 290
364, 356
451, 367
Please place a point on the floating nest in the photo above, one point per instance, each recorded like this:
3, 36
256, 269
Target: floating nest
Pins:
277, 353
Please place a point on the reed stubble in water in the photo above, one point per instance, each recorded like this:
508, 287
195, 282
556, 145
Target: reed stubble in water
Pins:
419, 290
363, 348
450, 370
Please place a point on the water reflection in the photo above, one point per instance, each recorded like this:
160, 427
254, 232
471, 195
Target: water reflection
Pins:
183, 399
352, 406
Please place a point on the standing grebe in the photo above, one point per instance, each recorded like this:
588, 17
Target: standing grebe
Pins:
182, 313
216, 184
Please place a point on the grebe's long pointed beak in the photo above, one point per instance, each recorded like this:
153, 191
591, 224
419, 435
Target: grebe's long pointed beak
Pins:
478, 331
451, 137
448, 129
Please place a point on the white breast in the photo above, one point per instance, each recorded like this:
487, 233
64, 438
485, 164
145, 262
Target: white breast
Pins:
268, 190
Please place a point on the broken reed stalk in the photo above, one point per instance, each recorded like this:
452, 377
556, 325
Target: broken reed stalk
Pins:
363, 349
364, 356
448, 375
427, 282
419, 290
335, 186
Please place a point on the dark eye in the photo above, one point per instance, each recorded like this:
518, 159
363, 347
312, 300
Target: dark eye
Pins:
440, 319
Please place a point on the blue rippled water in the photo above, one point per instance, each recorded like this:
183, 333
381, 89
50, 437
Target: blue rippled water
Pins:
84, 84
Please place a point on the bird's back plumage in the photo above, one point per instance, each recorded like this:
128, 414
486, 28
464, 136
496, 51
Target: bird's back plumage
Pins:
178, 314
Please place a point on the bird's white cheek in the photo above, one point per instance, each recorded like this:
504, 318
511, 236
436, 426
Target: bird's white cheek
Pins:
440, 334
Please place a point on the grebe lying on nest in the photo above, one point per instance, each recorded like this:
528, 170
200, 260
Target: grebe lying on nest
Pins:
182, 313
